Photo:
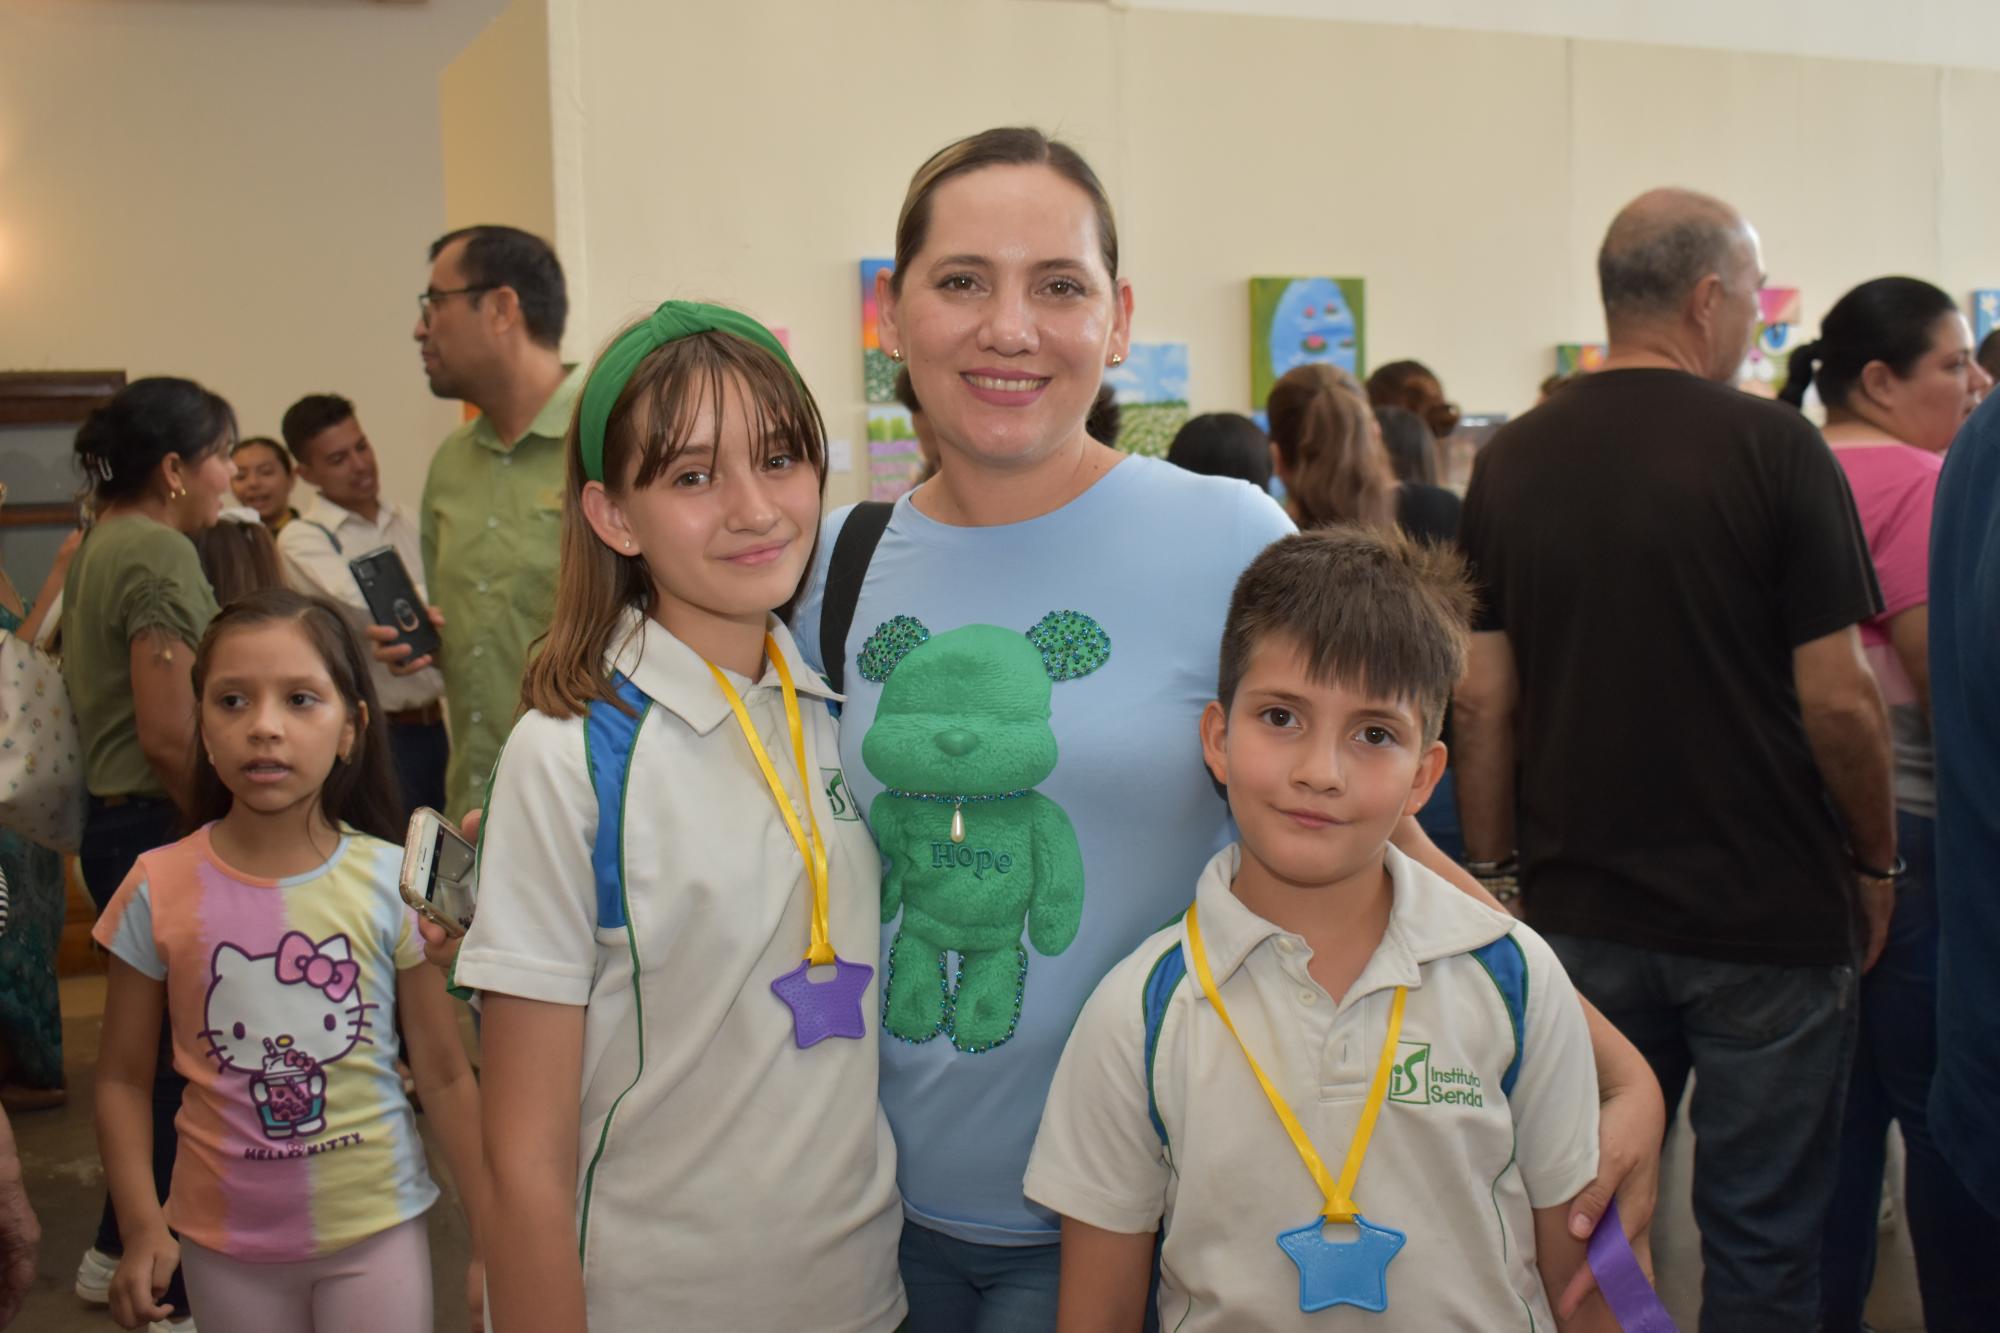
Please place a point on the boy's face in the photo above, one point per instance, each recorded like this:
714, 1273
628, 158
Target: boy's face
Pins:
1318, 775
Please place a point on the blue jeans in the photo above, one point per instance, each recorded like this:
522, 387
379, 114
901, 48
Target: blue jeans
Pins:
956, 1286
1770, 1046
420, 751
1956, 1240
114, 836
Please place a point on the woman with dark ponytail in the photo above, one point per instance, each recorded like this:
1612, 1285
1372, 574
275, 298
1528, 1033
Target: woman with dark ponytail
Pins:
1894, 367
136, 603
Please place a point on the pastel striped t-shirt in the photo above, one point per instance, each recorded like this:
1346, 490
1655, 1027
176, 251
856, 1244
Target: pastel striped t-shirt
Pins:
296, 1139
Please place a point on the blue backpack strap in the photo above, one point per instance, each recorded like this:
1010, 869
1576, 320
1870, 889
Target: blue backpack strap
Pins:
1161, 983
1507, 967
609, 735
323, 528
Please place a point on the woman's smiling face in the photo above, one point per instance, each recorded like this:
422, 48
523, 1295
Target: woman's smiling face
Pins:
1007, 316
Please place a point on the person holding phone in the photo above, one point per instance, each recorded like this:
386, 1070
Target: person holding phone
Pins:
348, 519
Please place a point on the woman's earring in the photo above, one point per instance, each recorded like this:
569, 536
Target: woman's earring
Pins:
179, 492
628, 543
1117, 360
896, 354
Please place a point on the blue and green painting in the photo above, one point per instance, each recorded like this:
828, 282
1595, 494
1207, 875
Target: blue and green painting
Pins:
1296, 321
1151, 387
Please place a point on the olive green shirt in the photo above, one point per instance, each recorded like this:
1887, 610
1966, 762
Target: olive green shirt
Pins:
491, 523
131, 575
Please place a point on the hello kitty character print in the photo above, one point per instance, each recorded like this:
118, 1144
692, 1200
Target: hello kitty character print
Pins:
281, 1018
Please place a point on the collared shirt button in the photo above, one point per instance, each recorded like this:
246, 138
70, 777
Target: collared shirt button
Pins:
506, 460
492, 520
1286, 946
476, 716
483, 585
479, 650
1308, 997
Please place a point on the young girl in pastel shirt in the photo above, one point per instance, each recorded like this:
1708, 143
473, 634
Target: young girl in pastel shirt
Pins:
275, 941
680, 1076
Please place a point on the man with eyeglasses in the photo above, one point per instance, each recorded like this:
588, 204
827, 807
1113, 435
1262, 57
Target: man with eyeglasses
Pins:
490, 327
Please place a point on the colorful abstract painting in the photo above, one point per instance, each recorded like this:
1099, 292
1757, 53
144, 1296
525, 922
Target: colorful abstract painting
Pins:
1779, 333
1578, 358
1985, 315
878, 372
1295, 321
894, 460
1151, 387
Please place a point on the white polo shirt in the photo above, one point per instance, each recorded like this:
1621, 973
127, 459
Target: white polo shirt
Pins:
314, 564
1455, 1164
726, 1179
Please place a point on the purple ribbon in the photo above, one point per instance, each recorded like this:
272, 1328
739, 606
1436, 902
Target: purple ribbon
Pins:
1631, 1297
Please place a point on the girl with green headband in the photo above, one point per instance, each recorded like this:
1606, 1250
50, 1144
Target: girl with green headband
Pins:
678, 907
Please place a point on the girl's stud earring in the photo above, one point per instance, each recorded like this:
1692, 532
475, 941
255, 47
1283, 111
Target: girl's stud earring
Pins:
1117, 360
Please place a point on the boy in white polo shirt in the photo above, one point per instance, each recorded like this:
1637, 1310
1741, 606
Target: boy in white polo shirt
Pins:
1352, 1096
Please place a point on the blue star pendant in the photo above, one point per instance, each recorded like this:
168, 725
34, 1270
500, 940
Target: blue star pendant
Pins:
822, 1009
1354, 1272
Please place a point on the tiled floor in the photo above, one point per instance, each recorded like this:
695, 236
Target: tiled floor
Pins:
66, 1186
65, 1182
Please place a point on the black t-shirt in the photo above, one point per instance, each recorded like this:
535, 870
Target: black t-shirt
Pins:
1655, 546
1428, 513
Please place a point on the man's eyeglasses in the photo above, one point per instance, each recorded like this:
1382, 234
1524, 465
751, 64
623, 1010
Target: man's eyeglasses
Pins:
427, 299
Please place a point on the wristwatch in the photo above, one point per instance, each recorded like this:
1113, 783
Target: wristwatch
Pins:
1502, 879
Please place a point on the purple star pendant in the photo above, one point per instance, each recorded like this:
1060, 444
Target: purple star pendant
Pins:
822, 1009
1354, 1272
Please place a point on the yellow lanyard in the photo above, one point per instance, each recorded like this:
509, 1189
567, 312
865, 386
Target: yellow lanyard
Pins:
813, 847
1340, 1205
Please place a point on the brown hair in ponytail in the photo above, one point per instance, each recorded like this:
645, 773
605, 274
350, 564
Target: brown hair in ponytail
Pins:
1336, 468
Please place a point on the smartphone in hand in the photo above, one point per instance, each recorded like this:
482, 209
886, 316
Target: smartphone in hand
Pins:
438, 881
393, 600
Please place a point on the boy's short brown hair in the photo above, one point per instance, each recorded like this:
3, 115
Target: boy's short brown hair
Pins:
1373, 611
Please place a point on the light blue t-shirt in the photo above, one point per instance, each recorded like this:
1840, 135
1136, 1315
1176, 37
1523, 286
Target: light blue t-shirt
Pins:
1126, 588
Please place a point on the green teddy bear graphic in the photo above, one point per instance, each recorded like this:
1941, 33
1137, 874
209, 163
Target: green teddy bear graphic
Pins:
960, 739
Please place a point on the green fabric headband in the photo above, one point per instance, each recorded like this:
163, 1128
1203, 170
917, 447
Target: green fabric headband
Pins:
673, 321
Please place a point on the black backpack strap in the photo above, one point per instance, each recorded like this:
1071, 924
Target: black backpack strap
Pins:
852, 551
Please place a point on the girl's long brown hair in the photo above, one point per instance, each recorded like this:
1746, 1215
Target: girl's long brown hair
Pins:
1337, 470
650, 424
361, 791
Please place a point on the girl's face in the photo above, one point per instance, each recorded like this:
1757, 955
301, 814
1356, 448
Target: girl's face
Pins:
725, 531
272, 721
261, 482
206, 480
1007, 316
1927, 407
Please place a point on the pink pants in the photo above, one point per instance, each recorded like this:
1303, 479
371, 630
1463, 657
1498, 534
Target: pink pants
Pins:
380, 1285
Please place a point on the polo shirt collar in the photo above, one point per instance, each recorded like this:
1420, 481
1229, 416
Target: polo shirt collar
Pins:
1429, 919
675, 677
552, 422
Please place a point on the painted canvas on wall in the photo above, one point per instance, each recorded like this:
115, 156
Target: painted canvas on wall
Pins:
894, 460
1985, 315
878, 372
1151, 387
1294, 321
1779, 334
1578, 358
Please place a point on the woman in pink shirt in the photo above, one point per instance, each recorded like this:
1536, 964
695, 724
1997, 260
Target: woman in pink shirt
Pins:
1894, 367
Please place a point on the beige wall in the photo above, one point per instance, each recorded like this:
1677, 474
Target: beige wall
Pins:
494, 99
752, 152
240, 193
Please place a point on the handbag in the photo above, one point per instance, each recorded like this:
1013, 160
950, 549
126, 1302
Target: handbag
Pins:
42, 795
